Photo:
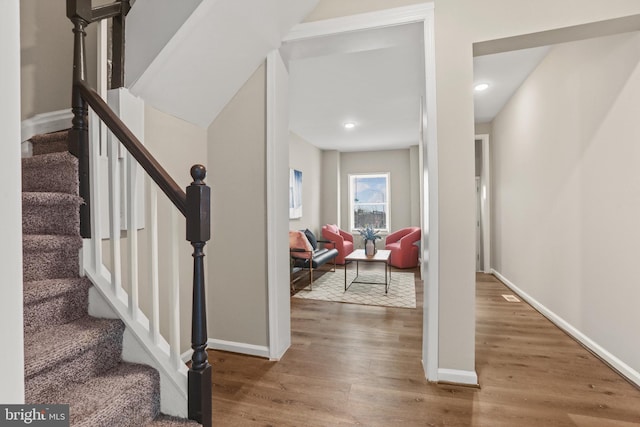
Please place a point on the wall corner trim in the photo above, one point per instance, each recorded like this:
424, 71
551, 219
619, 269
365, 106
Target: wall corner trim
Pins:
615, 363
239, 347
45, 123
457, 376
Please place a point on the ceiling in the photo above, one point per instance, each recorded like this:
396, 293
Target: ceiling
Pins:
212, 54
375, 79
504, 73
372, 78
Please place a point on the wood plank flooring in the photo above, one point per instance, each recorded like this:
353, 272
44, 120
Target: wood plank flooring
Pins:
353, 365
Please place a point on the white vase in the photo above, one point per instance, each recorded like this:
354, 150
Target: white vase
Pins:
369, 248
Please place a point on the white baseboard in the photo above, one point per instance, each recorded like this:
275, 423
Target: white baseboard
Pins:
233, 347
46, 123
617, 364
457, 376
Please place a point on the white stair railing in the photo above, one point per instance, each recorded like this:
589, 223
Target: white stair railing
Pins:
112, 258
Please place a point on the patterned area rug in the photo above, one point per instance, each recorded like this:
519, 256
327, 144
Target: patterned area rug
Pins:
330, 287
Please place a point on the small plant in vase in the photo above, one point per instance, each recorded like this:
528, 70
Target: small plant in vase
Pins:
370, 235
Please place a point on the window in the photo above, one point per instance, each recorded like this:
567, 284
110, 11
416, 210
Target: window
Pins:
369, 195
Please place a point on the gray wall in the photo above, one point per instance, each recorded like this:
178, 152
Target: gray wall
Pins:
458, 25
397, 163
237, 286
330, 188
307, 158
46, 56
567, 192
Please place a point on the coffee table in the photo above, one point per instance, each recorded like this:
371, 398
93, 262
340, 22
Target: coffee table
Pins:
358, 256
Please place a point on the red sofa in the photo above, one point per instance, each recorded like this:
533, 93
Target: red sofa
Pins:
342, 240
404, 253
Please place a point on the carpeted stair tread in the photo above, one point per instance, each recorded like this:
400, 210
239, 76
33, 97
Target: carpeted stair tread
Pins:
54, 302
56, 172
168, 421
50, 256
49, 142
50, 213
126, 395
74, 351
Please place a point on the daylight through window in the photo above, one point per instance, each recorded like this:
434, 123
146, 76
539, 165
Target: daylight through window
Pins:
369, 196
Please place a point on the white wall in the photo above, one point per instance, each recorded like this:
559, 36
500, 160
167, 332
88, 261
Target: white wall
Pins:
327, 9
459, 24
11, 333
567, 189
307, 158
237, 283
397, 163
150, 25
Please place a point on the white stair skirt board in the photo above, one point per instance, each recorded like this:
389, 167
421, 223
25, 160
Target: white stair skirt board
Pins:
617, 364
173, 399
46, 123
233, 347
457, 376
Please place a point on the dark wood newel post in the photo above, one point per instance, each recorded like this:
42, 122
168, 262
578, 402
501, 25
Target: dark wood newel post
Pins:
79, 12
198, 233
117, 53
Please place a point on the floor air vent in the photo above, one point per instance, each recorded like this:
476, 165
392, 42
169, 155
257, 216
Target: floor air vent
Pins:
511, 298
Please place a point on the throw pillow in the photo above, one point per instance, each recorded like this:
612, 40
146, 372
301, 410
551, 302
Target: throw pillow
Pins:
298, 240
312, 238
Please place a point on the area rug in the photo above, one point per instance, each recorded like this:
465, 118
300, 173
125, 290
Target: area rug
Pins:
330, 287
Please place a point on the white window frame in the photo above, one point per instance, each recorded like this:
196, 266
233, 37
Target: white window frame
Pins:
352, 177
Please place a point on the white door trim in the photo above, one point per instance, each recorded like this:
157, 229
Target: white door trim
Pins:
277, 218
485, 198
420, 13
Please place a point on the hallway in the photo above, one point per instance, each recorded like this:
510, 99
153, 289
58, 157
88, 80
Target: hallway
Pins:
360, 365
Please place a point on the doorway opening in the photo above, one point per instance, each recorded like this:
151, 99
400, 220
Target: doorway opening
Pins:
337, 29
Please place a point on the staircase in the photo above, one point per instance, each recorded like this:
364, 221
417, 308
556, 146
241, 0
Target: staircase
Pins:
71, 357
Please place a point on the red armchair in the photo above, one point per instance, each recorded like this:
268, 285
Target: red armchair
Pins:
404, 254
342, 240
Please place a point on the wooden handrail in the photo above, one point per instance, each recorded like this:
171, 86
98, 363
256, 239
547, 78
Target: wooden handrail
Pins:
159, 175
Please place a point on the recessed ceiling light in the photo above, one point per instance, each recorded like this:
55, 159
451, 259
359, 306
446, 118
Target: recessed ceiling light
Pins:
349, 125
480, 87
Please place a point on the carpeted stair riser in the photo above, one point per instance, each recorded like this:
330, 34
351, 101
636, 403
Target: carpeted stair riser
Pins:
49, 143
127, 395
73, 352
56, 173
54, 302
50, 257
50, 213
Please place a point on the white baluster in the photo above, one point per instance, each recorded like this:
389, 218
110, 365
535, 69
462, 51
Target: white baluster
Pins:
132, 235
154, 326
114, 213
174, 303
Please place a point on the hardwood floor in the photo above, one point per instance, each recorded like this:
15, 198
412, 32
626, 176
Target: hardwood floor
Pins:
360, 365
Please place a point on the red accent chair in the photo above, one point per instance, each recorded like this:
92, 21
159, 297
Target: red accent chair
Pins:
404, 253
343, 241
